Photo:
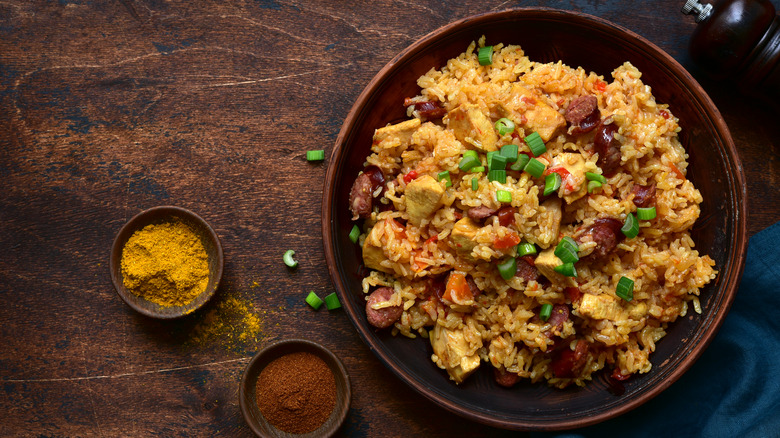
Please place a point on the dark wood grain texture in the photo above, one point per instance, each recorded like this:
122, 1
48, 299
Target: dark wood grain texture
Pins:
111, 107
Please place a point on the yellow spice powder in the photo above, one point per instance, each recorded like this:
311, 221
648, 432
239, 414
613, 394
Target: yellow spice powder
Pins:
166, 264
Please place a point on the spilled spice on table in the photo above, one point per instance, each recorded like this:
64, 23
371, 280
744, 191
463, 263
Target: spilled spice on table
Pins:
296, 392
232, 323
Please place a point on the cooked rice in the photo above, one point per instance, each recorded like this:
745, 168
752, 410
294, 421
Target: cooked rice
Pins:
503, 327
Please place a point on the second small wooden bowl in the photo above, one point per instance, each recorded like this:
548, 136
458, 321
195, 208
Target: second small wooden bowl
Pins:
248, 389
163, 214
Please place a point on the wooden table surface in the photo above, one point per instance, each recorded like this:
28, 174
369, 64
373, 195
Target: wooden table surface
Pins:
108, 108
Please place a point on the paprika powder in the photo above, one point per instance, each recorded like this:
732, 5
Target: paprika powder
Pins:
296, 393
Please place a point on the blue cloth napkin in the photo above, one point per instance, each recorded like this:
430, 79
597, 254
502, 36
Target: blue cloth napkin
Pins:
733, 390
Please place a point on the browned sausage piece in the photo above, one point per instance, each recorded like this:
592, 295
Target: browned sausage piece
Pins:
505, 378
525, 270
606, 233
385, 317
361, 196
644, 196
608, 148
475, 290
428, 109
568, 363
506, 216
480, 213
559, 315
583, 114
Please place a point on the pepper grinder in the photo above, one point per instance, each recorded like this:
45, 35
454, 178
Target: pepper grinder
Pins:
738, 40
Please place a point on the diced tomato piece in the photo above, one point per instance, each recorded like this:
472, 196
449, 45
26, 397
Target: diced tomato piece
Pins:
509, 240
411, 176
457, 290
574, 293
601, 86
618, 375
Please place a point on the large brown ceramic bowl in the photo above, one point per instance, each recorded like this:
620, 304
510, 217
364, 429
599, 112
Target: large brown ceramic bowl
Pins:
579, 40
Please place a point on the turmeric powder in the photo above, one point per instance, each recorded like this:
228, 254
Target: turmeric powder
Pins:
166, 264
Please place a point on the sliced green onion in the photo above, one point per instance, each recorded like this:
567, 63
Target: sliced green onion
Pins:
497, 175
525, 248
625, 288
567, 250
546, 311
485, 55
566, 269
593, 185
313, 300
536, 144
474, 184
507, 268
477, 169
288, 259
470, 153
552, 183
504, 196
630, 226
504, 126
496, 161
468, 162
535, 168
315, 155
354, 234
590, 176
645, 213
332, 301
445, 175
522, 161
510, 152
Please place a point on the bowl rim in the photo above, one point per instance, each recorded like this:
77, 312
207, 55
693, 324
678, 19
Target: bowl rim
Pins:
134, 224
738, 197
277, 349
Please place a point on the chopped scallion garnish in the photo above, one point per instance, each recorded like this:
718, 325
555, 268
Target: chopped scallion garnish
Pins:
536, 144
625, 288
354, 234
645, 213
313, 300
522, 161
497, 175
497, 162
504, 196
590, 176
332, 301
552, 183
315, 155
593, 185
567, 250
535, 168
504, 126
525, 248
445, 175
468, 162
477, 169
508, 268
510, 152
546, 311
470, 153
474, 184
566, 269
485, 55
630, 226
288, 259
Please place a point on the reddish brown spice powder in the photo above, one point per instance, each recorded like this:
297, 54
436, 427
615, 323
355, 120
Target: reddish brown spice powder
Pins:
296, 392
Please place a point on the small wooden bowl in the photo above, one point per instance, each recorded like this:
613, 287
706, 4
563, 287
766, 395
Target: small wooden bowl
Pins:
546, 35
248, 390
163, 214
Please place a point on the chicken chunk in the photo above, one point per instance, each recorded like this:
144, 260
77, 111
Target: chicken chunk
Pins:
527, 105
453, 353
546, 262
423, 198
573, 184
601, 307
396, 135
373, 254
463, 235
471, 125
